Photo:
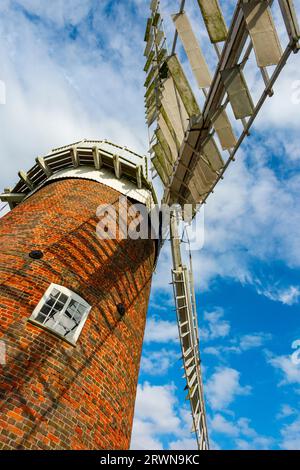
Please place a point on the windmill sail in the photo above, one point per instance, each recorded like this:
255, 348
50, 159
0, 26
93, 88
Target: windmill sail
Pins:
263, 33
192, 148
192, 49
214, 20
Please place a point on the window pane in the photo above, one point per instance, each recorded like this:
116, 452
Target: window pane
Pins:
55, 292
72, 316
63, 298
51, 301
41, 318
46, 309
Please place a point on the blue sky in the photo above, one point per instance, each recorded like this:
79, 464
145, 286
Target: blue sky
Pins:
74, 69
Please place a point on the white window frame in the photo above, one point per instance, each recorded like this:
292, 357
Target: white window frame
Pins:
71, 296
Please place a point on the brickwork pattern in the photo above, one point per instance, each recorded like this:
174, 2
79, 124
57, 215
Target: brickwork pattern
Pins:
54, 395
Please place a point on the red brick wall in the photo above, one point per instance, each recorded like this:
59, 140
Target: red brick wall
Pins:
54, 395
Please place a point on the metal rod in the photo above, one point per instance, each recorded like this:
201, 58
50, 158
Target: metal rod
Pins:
182, 5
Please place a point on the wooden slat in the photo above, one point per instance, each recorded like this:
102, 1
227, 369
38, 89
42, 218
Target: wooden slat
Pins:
203, 178
165, 146
159, 37
174, 107
160, 170
148, 29
168, 136
237, 89
224, 131
153, 5
214, 20
183, 86
263, 33
151, 115
148, 45
151, 75
193, 50
170, 127
158, 150
194, 190
149, 61
211, 152
156, 19
151, 99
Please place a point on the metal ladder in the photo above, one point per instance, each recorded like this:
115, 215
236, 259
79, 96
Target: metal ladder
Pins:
183, 288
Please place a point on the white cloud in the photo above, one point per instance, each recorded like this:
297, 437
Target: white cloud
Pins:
287, 296
144, 436
223, 387
157, 363
221, 425
157, 415
258, 443
184, 444
255, 340
59, 12
161, 331
291, 436
216, 326
186, 440
243, 435
285, 412
213, 351
288, 369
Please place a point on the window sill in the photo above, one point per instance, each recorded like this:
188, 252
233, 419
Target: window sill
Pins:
51, 332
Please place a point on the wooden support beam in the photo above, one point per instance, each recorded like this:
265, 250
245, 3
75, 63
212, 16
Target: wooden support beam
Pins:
10, 197
97, 158
291, 21
75, 157
44, 166
25, 178
117, 166
139, 176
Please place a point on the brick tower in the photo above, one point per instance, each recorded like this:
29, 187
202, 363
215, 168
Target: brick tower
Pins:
72, 305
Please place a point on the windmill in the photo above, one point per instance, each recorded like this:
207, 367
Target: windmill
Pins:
191, 148
73, 304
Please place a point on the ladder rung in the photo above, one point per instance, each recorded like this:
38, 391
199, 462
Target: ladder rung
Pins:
197, 423
197, 407
184, 334
181, 325
187, 352
181, 308
192, 380
190, 369
189, 361
194, 391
